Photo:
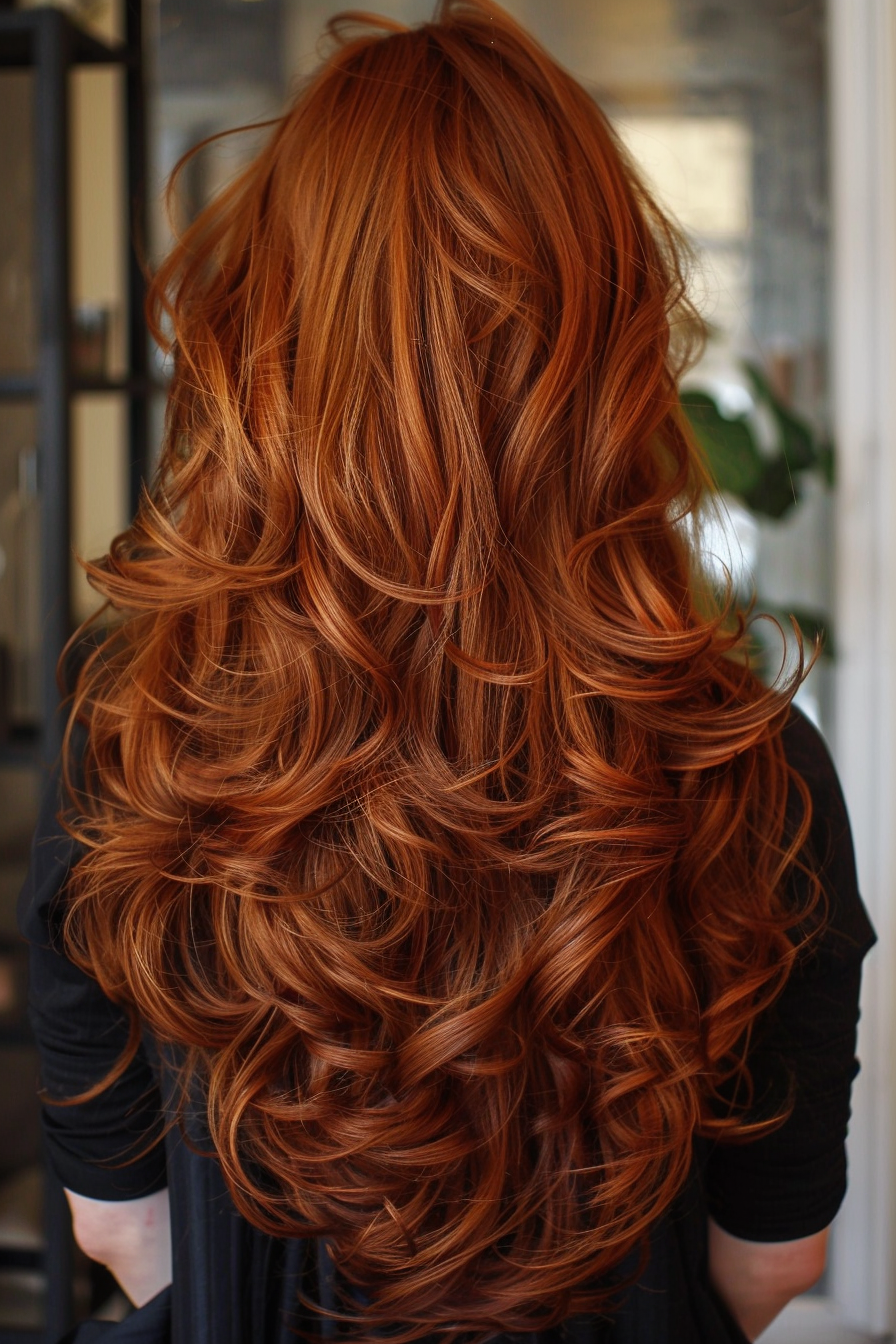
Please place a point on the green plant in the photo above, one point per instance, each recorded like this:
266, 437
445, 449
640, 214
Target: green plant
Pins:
767, 481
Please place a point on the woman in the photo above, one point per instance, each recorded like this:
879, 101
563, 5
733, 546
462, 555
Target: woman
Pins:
430, 844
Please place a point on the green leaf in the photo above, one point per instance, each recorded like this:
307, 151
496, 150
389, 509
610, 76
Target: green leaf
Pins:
776, 492
813, 624
816, 623
730, 449
827, 463
797, 441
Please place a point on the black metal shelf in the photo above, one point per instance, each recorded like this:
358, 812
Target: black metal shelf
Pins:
20, 31
21, 749
25, 387
50, 44
18, 386
131, 387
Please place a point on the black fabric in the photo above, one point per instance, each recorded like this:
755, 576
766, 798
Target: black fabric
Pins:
791, 1182
103, 1149
234, 1285
150, 1325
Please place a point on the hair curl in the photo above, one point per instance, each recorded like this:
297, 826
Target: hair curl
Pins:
423, 803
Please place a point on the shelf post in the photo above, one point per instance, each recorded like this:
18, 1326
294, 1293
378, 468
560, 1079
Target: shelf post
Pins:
138, 352
54, 372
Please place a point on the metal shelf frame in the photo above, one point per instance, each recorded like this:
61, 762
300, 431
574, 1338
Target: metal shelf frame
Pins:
49, 43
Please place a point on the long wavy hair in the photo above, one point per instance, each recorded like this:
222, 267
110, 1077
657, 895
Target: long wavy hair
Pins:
424, 805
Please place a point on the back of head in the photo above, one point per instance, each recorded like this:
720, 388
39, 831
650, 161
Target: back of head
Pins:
437, 289
420, 793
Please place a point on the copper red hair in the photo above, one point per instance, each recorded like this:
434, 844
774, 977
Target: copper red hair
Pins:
424, 806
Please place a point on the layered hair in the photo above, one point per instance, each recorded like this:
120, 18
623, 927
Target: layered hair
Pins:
424, 805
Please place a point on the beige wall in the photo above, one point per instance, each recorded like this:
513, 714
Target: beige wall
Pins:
99, 480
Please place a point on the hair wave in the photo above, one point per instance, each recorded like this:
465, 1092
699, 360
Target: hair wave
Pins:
424, 804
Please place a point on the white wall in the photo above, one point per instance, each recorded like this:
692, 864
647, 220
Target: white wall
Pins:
863, 350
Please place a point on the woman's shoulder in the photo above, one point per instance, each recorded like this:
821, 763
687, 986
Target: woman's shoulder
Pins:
807, 751
828, 850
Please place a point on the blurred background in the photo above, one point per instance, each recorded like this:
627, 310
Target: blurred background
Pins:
766, 127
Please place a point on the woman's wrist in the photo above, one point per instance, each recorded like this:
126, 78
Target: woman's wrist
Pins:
756, 1279
131, 1237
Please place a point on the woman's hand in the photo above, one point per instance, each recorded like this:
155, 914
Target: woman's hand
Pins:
131, 1237
756, 1279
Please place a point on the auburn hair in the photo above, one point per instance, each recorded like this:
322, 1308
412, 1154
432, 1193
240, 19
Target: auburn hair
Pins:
424, 804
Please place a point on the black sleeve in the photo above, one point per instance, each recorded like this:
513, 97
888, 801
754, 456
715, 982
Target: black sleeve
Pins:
106, 1148
791, 1182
